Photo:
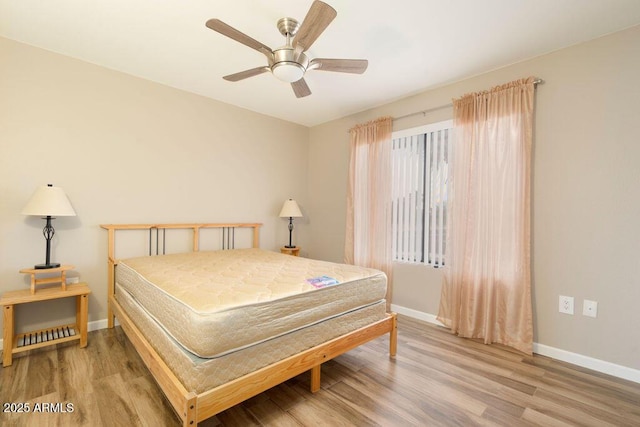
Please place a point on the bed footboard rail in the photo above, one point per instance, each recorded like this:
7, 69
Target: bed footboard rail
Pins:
193, 407
229, 394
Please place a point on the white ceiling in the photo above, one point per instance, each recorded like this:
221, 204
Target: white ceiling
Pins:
411, 45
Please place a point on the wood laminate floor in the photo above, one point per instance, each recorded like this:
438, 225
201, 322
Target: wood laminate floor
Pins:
436, 380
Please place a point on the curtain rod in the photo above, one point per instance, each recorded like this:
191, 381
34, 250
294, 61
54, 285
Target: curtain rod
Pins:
536, 82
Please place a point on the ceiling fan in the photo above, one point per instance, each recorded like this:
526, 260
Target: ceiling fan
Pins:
289, 62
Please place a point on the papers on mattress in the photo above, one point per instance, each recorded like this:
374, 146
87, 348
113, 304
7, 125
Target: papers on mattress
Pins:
322, 281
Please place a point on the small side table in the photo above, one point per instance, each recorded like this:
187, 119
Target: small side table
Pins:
290, 251
31, 340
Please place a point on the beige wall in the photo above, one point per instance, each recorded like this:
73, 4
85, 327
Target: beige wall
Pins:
586, 202
128, 150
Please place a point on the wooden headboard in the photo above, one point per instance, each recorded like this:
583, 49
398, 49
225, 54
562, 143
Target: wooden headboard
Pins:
228, 234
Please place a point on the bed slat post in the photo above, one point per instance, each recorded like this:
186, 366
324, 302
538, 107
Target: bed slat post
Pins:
196, 239
111, 276
256, 236
315, 378
393, 336
190, 415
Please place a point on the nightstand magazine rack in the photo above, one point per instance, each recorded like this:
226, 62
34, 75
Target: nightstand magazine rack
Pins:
13, 343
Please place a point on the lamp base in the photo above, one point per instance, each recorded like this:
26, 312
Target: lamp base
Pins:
46, 266
289, 246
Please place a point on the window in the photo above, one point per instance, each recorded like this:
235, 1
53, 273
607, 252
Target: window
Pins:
419, 196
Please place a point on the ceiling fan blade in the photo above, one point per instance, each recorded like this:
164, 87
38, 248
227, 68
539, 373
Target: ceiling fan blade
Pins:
317, 20
300, 88
227, 30
354, 66
246, 74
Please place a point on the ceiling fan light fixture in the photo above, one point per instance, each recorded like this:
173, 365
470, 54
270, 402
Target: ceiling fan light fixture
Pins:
288, 72
289, 63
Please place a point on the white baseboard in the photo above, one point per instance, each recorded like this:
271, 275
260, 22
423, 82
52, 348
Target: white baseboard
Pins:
545, 350
588, 362
97, 324
415, 314
100, 324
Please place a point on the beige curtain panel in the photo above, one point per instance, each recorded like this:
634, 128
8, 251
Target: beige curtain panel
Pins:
368, 230
486, 291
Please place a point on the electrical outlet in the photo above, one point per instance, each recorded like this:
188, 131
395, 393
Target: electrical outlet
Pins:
73, 279
566, 305
590, 308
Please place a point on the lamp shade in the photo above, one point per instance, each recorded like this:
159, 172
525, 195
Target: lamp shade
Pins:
49, 201
290, 209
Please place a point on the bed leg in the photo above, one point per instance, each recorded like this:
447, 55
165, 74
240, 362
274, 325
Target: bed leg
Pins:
111, 284
110, 318
315, 378
393, 336
189, 418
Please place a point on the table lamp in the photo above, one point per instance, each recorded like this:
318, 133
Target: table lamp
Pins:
290, 210
48, 202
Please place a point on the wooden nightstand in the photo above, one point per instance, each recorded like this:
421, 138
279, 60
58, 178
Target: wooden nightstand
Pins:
290, 251
23, 342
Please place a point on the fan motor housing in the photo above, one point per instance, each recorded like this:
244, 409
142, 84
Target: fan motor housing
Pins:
286, 54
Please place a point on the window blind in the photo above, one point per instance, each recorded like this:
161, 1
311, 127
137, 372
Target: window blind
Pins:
420, 161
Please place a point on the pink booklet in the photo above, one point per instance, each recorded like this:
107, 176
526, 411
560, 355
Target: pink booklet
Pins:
322, 281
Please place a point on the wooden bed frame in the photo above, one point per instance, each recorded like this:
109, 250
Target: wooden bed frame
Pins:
193, 408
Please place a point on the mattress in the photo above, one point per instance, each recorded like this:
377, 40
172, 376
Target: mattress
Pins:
200, 374
217, 302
